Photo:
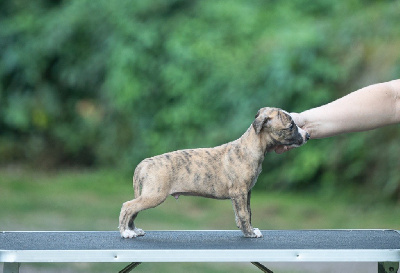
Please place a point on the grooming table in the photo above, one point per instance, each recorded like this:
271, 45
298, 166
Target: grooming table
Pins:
381, 246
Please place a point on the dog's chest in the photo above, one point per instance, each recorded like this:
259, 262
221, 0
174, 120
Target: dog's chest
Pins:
255, 177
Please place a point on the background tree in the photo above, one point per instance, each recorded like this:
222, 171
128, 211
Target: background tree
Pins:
108, 83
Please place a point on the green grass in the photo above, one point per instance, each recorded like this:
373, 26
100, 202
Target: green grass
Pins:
91, 200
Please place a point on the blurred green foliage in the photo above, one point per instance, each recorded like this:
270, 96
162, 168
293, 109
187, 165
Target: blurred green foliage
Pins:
108, 83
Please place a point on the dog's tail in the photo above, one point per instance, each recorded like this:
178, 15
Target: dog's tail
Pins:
137, 182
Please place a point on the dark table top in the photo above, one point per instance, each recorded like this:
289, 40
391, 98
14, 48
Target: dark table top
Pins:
229, 239
201, 246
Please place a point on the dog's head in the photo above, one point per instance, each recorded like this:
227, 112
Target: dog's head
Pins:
280, 127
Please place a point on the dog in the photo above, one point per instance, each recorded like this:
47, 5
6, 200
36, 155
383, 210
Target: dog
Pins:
228, 171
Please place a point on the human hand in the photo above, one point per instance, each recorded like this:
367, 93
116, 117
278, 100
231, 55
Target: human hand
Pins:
297, 118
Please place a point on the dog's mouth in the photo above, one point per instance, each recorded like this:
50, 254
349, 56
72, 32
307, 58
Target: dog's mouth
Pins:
295, 145
301, 140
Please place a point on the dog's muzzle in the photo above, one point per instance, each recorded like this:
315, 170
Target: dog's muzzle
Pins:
301, 140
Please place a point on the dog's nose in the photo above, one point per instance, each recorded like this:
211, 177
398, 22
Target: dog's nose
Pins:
307, 136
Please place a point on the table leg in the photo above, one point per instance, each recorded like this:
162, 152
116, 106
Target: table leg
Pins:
388, 267
130, 267
11, 267
262, 267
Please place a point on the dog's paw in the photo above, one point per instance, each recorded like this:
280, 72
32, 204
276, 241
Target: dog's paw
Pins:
139, 232
257, 232
128, 234
132, 233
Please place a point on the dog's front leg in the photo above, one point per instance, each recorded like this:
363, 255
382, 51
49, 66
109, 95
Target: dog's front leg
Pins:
248, 204
240, 206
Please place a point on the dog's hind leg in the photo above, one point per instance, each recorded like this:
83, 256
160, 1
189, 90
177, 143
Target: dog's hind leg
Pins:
130, 210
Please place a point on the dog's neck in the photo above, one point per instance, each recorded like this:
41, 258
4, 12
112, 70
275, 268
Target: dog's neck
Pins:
259, 144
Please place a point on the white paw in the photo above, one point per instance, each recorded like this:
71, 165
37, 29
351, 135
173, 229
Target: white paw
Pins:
128, 234
257, 232
139, 232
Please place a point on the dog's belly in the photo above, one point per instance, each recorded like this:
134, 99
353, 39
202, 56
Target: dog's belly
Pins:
177, 194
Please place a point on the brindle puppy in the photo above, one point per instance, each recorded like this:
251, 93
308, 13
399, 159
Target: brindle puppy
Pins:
228, 171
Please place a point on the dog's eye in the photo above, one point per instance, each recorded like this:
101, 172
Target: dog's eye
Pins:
291, 126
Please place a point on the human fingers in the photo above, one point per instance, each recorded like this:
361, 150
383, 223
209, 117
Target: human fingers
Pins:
282, 148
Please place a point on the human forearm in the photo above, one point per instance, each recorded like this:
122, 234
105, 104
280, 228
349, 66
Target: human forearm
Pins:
368, 108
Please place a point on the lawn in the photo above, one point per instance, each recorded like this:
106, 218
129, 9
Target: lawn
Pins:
91, 200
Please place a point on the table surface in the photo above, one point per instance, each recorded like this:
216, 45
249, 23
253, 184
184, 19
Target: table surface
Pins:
212, 245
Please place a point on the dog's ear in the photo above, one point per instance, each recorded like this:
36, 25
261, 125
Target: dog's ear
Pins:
259, 122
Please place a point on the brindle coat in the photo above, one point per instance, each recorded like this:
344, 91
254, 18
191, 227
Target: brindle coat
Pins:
228, 171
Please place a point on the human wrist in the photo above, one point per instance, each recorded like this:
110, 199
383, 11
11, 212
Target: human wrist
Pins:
298, 119
301, 121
